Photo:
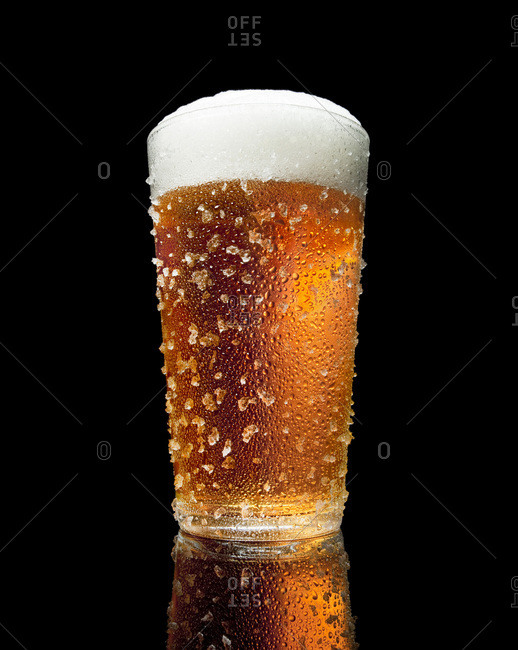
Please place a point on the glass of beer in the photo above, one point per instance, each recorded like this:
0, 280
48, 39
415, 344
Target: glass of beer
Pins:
257, 206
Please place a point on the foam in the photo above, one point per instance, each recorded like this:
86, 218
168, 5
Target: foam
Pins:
259, 134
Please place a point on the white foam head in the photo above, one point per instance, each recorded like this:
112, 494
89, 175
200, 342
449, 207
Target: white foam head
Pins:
262, 135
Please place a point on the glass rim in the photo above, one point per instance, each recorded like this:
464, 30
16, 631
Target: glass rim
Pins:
259, 549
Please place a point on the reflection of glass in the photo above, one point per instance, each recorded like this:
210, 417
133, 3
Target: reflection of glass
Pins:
248, 596
258, 202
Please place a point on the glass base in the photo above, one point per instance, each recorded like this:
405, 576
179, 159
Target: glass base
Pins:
278, 527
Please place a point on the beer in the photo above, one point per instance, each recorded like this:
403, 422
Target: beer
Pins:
258, 288
247, 596
258, 285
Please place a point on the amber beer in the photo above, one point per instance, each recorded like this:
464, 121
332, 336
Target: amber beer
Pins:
255, 596
258, 286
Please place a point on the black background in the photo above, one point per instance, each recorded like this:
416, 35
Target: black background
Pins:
86, 542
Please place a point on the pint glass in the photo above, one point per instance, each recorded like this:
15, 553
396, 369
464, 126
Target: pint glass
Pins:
257, 207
